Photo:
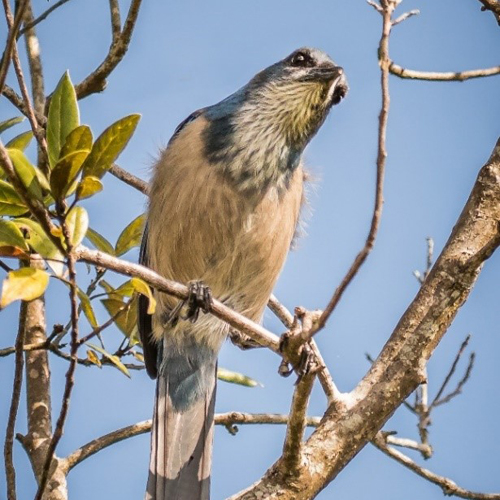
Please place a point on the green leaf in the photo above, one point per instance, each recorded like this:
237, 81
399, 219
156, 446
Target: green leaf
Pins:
73, 153
131, 236
10, 123
38, 240
87, 308
21, 141
12, 242
126, 321
99, 241
63, 117
143, 288
10, 202
92, 357
109, 145
236, 378
89, 186
114, 359
23, 284
78, 223
26, 172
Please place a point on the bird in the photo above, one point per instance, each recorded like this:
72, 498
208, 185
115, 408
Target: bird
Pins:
224, 204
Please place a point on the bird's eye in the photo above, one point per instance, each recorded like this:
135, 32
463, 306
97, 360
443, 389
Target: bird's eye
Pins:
301, 59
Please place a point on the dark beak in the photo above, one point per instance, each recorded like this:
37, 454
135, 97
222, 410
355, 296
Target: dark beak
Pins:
332, 75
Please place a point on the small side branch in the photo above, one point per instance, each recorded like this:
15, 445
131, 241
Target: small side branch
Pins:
14, 405
448, 486
449, 76
292, 448
96, 81
229, 420
130, 179
41, 17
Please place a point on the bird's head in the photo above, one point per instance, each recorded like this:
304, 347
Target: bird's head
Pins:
297, 92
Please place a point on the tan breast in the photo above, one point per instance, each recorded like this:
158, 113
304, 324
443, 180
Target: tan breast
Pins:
202, 228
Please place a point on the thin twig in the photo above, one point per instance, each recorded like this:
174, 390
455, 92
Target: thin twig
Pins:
447, 379
226, 419
405, 16
13, 24
424, 449
41, 17
70, 381
96, 81
14, 405
282, 313
129, 179
116, 23
17, 101
448, 486
381, 159
448, 76
37, 131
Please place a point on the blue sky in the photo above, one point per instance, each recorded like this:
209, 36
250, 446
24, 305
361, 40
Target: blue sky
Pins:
189, 54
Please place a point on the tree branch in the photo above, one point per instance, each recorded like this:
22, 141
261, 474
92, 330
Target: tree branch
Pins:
96, 81
31, 24
449, 487
130, 179
450, 76
10, 470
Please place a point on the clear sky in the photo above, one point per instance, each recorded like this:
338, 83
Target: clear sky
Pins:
189, 54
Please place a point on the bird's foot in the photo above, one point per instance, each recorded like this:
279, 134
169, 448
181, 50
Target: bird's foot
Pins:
199, 298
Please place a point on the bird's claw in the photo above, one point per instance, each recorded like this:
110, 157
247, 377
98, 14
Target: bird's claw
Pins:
199, 298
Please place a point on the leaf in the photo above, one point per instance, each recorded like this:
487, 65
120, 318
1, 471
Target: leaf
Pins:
87, 309
23, 284
138, 356
21, 141
126, 321
89, 186
109, 145
114, 359
10, 202
26, 172
12, 242
131, 236
92, 357
63, 117
236, 378
78, 223
41, 244
10, 123
99, 241
143, 288
73, 153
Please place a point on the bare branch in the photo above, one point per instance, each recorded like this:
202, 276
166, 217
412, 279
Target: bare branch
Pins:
381, 159
405, 16
253, 330
129, 179
282, 313
424, 449
493, 6
448, 486
450, 76
17, 101
96, 81
116, 23
447, 379
292, 448
13, 24
10, 471
41, 17
230, 419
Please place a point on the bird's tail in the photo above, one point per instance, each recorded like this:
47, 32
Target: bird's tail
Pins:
183, 420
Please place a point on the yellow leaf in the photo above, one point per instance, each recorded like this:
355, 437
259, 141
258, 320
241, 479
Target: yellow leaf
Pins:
23, 284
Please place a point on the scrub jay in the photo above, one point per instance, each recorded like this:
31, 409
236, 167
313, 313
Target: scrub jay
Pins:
224, 204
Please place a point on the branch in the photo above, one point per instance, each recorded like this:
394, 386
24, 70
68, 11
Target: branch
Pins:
379, 186
236, 320
493, 6
13, 24
130, 179
449, 487
297, 424
450, 76
10, 470
229, 420
17, 101
96, 81
41, 18
398, 370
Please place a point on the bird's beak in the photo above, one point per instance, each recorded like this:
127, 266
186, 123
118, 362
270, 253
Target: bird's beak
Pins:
334, 77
